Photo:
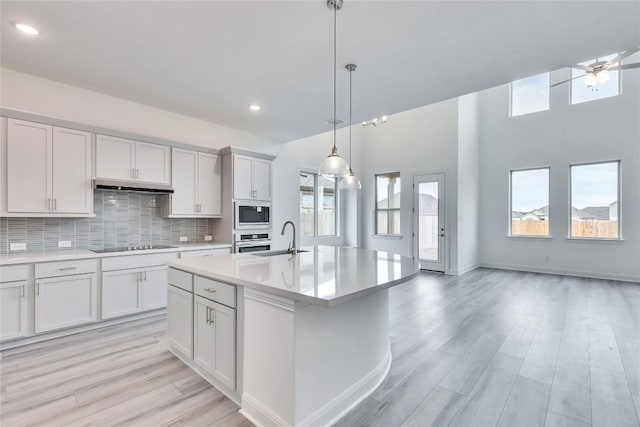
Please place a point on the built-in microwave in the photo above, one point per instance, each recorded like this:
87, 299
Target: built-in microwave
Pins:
252, 215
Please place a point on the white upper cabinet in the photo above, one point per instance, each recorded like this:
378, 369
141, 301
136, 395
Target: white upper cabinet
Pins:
153, 163
209, 184
48, 169
115, 158
251, 178
196, 180
124, 159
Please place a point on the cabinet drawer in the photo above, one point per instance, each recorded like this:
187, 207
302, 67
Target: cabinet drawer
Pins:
180, 279
205, 252
14, 273
215, 291
66, 268
136, 261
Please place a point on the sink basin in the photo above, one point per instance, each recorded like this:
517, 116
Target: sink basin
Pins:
274, 253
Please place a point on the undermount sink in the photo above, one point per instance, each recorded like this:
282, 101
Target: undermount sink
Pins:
282, 252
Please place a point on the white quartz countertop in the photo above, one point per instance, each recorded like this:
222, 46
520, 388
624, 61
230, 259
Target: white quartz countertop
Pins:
326, 275
32, 257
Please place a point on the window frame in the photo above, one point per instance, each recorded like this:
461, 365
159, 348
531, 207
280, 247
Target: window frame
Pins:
511, 115
316, 203
597, 99
510, 204
619, 195
388, 210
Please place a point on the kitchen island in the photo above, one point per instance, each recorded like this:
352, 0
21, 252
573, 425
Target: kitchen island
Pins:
310, 330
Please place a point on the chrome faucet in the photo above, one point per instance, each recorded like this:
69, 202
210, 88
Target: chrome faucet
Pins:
292, 245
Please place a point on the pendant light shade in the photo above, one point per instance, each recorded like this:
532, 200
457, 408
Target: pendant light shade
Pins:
334, 166
350, 181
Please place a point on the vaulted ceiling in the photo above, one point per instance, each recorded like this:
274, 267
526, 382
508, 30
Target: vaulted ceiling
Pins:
210, 60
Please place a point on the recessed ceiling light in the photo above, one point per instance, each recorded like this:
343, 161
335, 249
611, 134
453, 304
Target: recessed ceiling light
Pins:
254, 107
27, 29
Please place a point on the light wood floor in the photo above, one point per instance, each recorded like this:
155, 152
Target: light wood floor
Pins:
487, 348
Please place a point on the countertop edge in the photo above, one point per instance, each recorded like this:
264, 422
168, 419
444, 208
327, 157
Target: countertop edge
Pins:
290, 294
34, 258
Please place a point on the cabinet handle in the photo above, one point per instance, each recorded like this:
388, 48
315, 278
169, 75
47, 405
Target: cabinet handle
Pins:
213, 313
48, 203
133, 173
67, 268
145, 276
211, 291
207, 307
137, 173
55, 204
37, 288
22, 291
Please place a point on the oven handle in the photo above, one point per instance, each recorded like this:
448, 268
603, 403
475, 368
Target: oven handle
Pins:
245, 243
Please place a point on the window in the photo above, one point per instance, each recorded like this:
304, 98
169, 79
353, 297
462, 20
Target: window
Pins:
388, 203
607, 84
530, 95
595, 209
530, 202
317, 205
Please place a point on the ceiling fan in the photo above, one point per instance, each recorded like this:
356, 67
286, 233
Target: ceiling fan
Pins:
598, 71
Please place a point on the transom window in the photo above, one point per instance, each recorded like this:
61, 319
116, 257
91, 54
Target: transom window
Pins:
605, 85
530, 95
318, 205
388, 203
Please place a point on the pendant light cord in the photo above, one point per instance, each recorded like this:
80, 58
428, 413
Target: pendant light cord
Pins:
350, 121
335, 14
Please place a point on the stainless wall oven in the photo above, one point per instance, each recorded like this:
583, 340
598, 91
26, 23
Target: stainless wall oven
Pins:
252, 215
252, 241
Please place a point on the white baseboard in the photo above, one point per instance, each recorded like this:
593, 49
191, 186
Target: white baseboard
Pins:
337, 408
562, 271
465, 269
329, 413
258, 414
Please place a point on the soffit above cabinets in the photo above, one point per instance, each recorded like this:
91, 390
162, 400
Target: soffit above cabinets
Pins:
210, 60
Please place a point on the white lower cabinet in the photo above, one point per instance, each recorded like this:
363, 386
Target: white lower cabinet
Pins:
180, 320
65, 301
13, 310
214, 340
133, 290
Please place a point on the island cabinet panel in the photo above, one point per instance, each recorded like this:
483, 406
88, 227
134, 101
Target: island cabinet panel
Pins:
13, 310
180, 321
215, 291
65, 301
214, 345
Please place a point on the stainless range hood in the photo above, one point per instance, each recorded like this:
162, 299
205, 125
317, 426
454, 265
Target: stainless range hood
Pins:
138, 187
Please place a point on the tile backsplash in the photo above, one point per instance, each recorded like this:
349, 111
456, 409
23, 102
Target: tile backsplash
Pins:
122, 219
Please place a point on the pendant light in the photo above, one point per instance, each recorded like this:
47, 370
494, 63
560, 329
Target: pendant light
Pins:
350, 181
334, 166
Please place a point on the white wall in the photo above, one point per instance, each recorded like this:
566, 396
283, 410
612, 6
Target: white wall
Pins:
36, 95
605, 129
468, 183
415, 142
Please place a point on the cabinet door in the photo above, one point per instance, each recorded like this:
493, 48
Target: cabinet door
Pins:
72, 192
203, 334
262, 180
224, 320
209, 184
242, 177
28, 167
180, 320
13, 310
120, 292
65, 301
183, 179
115, 158
153, 163
154, 288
